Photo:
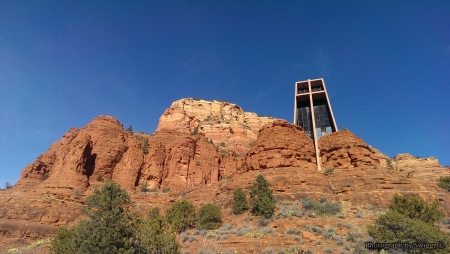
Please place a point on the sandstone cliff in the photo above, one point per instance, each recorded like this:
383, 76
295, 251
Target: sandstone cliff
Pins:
225, 124
103, 150
197, 142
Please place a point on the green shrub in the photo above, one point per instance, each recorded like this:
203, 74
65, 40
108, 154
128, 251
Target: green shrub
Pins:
444, 182
329, 170
308, 203
389, 164
263, 203
181, 215
144, 143
321, 208
109, 230
63, 240
294, 231
156, 236
316, 229
347, 225
165, 189
352, 236
240, 204
143, 187
129, 129
395, 227
416, 209
263, 222
145, 146
45, 176
410, 220
154, 212
209, 217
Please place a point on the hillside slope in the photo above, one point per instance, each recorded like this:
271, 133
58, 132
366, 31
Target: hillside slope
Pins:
203, 151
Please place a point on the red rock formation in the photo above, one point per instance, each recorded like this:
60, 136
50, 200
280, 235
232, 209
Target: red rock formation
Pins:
224, 123
231, 163
186, 154
345, 150
280, 144
104, 150
78, 158
416, 167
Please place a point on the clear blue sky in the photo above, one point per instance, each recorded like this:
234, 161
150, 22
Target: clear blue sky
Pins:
386, 65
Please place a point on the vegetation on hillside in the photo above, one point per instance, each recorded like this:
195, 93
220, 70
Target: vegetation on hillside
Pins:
411, 220
263, 203
209, 217
181, 215
109, 230
322, 207
154, 212
156, 235
240, 204
112, 228
444, 182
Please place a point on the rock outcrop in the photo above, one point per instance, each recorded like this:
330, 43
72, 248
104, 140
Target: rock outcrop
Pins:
416, 167
225, 124
281, 144
343, 149
104, 150
78, 159
197, 142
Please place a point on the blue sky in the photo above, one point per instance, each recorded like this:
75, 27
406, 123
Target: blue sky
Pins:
386, 65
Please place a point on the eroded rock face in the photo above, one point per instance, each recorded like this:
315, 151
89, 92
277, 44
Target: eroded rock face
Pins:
103, 150
280, 144
345, 150
80, 157
224, 123
67, 161
179, 161
416, 167
197, 142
